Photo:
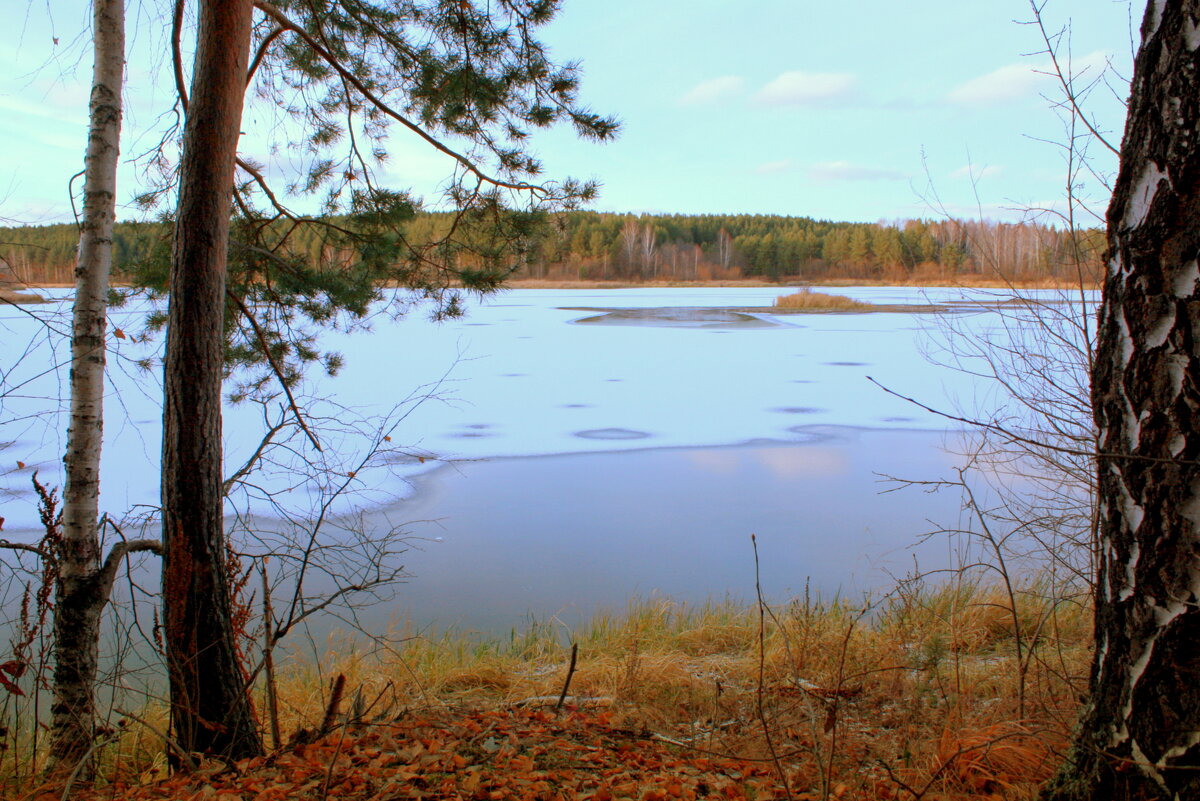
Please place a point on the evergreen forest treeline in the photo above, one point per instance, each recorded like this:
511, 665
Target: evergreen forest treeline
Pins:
598, 246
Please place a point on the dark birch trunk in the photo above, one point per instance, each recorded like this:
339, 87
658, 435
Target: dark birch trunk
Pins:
210, 706
1140, 736
80, 595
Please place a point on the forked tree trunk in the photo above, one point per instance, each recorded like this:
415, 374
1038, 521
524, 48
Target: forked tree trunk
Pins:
1140, 736
80, 596
210, 707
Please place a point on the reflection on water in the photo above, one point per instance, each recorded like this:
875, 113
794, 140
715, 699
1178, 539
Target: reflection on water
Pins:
561, 536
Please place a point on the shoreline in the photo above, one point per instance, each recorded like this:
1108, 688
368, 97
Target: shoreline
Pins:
419, 482
965, 281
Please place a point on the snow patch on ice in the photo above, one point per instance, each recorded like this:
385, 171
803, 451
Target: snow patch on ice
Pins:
1142, 196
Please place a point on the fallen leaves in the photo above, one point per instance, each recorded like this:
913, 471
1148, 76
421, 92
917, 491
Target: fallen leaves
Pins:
480, 755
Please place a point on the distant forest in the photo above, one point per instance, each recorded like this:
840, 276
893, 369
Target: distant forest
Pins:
642, 248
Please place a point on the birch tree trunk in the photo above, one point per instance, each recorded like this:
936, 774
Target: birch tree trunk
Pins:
1140, 736
210, 708
80, 595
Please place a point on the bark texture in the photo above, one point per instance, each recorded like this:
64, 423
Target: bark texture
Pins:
81, 593
210, 707
1140, 736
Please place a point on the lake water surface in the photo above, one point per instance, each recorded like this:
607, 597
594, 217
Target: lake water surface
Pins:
578, 447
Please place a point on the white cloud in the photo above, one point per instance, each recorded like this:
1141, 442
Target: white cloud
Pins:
806, 89
976, 173
1004, 85
713, 90
1023, 79
832, 171
773, 167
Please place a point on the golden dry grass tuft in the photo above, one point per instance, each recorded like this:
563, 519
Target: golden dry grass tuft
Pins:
920, 693
995, 758
807, 300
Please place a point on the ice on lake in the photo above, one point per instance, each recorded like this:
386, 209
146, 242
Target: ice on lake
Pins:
527, 373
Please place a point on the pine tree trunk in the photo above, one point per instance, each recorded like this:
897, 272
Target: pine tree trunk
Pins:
79, 595
1140, 736
210, 707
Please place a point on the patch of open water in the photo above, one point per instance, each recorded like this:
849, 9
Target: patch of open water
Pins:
559, 537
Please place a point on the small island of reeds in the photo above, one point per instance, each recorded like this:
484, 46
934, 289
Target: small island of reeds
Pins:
809, 301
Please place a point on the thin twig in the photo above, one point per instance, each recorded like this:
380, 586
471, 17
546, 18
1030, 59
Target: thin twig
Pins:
762, 656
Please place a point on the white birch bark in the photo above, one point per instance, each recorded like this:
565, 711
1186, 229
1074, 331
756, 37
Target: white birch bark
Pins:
79, 602
1140, 736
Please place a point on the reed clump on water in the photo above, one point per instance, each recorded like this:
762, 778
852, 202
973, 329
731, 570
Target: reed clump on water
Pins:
808, 300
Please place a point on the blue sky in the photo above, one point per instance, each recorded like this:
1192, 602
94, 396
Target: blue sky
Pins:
869, 110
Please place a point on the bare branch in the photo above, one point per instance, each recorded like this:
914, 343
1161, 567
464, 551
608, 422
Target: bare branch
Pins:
275, 368
20, 546
1064, 80
250, 463
177, 53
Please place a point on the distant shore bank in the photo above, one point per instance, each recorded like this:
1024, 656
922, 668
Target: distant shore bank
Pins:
965, 281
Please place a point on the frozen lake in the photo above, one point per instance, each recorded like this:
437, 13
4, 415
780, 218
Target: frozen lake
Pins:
566, 449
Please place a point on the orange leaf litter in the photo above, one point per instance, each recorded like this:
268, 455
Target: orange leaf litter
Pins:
503, 754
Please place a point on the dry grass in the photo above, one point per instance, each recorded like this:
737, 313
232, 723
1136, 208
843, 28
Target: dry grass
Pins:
807, 300
919, 690
996, 758
916, 691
